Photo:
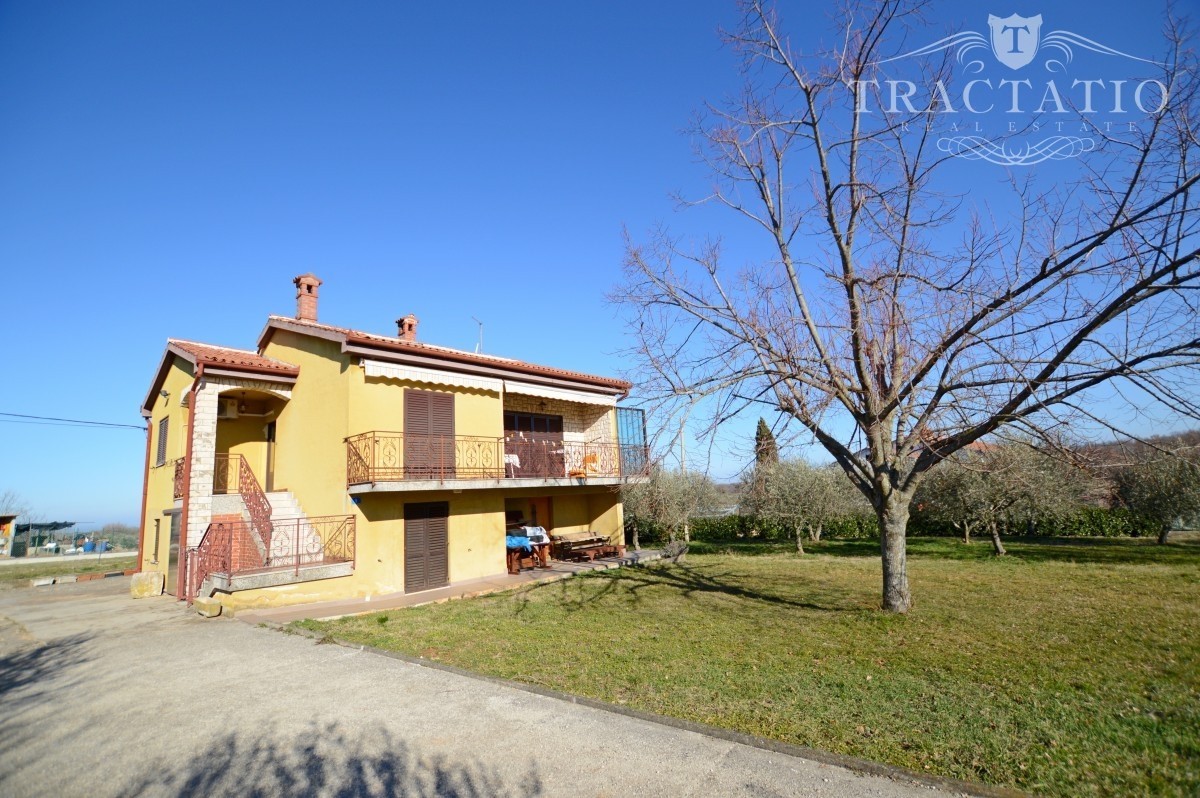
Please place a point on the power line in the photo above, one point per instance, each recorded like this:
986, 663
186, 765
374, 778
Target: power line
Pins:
52, 424
68, 424
70, 421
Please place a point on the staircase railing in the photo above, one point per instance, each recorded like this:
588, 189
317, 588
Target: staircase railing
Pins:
233, 475
229, 548
212, 556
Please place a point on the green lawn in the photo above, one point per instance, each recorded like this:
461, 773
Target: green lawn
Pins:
1069, 667
19, 575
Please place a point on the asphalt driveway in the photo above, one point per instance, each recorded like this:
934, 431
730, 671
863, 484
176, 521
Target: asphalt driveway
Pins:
102, 695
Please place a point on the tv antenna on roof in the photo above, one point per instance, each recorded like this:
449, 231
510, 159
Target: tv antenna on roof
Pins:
479, 346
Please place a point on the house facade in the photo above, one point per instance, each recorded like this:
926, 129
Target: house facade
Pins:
333, 463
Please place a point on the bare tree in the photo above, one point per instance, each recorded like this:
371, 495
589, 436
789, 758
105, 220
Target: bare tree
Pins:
13, 503
894, 320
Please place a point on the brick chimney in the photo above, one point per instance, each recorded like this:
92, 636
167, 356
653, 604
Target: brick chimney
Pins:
407, 327
306, 296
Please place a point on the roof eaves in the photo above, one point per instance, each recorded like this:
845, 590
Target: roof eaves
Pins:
521, 367
348, 337
160, 376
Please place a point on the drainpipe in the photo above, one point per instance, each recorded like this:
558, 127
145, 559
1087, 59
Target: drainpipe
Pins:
145, 493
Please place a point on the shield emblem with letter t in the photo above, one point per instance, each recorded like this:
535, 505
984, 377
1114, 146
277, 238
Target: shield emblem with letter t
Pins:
1015, 39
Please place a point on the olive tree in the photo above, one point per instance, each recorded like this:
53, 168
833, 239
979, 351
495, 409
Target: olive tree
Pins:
800, 496
994, 487
668, 500
1162, 487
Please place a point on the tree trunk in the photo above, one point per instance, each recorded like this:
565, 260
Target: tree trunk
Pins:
815, 532
967, 532
637, 546
997, 546
893, 530
799, 540
1162, 536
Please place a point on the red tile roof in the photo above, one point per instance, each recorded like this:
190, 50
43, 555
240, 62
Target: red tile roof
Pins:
233, 359
389, 342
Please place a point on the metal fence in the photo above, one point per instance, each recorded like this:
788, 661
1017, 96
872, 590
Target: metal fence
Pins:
396, 456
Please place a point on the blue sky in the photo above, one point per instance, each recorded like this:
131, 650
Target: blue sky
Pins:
167, 168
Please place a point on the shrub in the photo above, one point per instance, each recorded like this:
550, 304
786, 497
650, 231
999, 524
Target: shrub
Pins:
1087, 522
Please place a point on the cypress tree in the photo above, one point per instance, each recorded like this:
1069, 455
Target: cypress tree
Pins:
766, 452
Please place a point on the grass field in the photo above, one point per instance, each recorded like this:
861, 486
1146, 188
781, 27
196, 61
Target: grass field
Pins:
1067, 668
19, 575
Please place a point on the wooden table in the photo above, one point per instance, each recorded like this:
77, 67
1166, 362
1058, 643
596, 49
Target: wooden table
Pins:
540, 556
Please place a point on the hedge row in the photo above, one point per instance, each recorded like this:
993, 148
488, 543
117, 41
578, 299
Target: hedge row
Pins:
730, 528
1089, 522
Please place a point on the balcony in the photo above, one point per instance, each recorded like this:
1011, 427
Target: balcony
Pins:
387, 461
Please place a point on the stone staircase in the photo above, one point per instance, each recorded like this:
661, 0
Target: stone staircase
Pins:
237, 554
287, 516
284, 505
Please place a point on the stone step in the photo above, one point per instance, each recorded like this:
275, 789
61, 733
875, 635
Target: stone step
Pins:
285, 507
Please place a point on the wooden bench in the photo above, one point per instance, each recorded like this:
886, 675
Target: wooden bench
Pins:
584, 545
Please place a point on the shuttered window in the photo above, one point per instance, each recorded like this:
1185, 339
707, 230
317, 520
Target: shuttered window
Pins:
161, 452
426, 546
429, 434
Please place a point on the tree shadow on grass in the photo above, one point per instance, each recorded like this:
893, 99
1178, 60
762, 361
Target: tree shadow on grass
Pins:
1104, 551
331, 761
742, 548
693, 580
1129, 551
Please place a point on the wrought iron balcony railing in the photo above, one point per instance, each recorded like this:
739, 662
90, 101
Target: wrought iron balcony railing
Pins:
397, 457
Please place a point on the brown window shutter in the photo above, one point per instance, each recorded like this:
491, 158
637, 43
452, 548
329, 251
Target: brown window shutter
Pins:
437, 564
161, 452
429, 434
426, 545
441, 414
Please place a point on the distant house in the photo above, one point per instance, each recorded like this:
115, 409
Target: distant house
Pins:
331, 463
35, 537
7, 533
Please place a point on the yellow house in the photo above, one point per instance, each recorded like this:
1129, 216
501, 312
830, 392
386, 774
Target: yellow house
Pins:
332, 463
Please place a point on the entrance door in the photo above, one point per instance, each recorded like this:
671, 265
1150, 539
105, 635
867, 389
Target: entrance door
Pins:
428, 435
426, 547
172, 586
539, 509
